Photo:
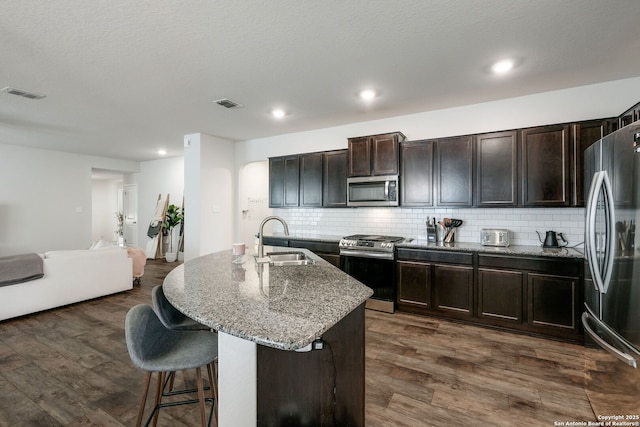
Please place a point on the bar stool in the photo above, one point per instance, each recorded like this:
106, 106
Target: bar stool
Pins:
154, 348
170, 317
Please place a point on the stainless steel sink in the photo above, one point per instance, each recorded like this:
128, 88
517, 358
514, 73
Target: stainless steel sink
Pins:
289, 258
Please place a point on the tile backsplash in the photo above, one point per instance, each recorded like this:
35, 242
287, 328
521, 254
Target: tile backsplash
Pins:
410, 223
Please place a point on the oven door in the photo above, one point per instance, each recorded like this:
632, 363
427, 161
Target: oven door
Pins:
376, 273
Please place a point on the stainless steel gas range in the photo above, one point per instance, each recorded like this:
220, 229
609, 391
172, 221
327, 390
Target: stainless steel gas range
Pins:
370, 259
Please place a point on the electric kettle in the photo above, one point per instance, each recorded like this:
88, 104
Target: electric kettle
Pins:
551, 240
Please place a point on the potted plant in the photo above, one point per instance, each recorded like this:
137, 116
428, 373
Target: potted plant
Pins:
181, 240
120, 228
171, 223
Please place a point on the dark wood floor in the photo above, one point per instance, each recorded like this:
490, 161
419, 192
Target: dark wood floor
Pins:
70, 367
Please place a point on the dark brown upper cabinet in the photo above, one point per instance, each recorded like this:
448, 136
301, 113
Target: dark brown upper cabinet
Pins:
311, 180
335, 179
546, 159
374, 154
585, 134
454, 161
416, 172
630, 116
622, 176
497, 169
284, 176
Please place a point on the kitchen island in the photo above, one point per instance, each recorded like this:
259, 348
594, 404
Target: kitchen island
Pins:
291, 338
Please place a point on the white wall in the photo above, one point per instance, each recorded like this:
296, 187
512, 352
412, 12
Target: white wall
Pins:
47, 202
45, 198
582, 103
163, 176
253, 201
210, 194
562, 106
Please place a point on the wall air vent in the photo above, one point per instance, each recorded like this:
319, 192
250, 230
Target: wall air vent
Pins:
22, 93
227, 103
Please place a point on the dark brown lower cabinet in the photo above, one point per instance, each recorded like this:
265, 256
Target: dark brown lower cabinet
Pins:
328, 251
436, 282
552, 301
332, 259
500, 296
453, 290
414, 285
536, 295
274, 241
541, 295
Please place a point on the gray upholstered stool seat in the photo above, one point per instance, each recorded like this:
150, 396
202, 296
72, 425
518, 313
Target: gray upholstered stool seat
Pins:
170, 316
154, 348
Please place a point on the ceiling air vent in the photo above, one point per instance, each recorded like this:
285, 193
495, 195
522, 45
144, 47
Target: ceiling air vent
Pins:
22, 93
227, 103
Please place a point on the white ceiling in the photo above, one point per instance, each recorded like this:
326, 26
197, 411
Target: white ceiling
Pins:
123, 78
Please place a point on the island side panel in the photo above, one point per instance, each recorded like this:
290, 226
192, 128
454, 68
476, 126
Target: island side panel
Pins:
236, 381
297, 388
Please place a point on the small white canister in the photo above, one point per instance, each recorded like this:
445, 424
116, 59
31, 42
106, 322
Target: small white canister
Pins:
238, 250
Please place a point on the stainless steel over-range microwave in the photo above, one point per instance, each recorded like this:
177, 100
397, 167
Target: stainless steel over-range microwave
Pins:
373, 191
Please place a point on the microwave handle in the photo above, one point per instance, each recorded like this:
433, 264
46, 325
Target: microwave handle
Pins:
386, 190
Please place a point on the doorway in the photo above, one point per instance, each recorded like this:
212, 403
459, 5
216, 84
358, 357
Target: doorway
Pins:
114, 213
130, 209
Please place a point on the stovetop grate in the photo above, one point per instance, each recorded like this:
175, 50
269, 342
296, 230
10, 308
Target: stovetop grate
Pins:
375, 238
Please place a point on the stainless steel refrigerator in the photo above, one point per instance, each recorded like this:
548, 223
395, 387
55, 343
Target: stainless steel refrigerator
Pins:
611, 316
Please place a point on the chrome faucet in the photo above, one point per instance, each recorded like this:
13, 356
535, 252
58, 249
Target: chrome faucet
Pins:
260, 232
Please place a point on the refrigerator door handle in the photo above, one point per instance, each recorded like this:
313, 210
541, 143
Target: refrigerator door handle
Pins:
601, 278
589, 235
625, 357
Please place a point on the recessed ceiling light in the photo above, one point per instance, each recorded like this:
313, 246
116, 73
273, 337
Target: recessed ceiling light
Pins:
367, 94
162, 152
502, 66
278, 113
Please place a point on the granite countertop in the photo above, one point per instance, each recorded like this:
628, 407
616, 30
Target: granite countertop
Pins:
281, 307
517, 250
327, 238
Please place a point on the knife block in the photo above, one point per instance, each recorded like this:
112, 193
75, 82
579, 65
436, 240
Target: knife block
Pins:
431, 234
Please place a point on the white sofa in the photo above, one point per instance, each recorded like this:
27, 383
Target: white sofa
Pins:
69, 276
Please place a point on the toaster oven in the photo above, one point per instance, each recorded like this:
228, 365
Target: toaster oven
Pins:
494, 237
